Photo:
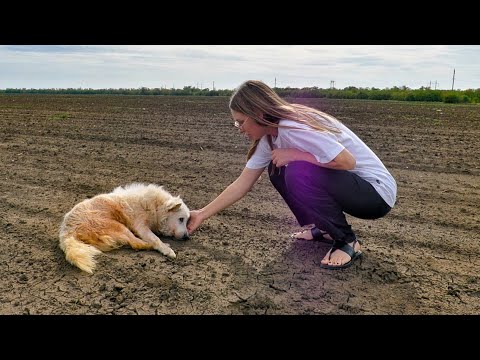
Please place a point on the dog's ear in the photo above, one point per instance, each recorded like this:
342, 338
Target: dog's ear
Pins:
173, 205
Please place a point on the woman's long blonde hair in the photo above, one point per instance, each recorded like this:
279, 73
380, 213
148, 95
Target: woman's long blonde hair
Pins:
254, 97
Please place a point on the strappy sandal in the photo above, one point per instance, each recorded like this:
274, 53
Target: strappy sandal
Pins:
317, 236
349, 250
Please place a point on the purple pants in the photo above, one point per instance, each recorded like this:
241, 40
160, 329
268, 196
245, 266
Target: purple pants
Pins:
322, 196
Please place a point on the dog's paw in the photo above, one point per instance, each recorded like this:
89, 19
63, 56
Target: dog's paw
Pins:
171, 254
165, 250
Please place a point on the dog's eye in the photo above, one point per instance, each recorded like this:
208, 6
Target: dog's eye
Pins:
181, 220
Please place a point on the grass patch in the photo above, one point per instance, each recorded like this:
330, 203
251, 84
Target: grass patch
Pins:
14, 106
60, 116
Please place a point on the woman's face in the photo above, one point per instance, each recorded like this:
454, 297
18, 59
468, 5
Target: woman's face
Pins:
246, 125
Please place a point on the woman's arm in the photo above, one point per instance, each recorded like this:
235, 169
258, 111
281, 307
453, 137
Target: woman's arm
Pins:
232, 193
343, 161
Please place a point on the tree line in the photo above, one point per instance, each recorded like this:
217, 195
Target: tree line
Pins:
396, 93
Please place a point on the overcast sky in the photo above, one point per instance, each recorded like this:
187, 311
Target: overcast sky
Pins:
225, 67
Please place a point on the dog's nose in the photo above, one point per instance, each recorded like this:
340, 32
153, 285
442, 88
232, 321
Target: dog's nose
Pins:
185, 237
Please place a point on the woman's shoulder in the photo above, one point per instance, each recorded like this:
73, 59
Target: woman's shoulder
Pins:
287, 124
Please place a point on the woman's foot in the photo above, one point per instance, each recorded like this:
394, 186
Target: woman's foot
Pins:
308, 234
339, 257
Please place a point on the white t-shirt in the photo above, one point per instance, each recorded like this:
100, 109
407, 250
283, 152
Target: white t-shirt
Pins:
325, 146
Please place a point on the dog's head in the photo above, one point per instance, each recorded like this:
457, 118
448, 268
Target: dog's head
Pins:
177, 215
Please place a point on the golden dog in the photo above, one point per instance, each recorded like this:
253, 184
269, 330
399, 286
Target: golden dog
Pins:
129, 215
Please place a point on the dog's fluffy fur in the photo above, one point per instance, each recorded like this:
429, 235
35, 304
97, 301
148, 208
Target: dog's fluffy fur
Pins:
129, 215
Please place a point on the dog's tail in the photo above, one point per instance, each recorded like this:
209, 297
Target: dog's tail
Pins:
78, 253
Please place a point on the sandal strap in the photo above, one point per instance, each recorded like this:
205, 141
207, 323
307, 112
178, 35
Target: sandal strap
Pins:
343, 245
317, 233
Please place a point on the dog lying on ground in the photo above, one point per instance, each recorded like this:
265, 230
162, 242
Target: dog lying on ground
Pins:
129, 215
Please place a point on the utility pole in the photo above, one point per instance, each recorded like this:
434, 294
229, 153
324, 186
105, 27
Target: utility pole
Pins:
275, 82
214, 86
332, 84
453, 80
430, 86
435, 84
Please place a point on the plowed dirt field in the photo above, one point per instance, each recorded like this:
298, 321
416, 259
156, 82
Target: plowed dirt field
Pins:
422, 258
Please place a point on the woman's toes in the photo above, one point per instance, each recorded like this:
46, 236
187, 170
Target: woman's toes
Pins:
326, 259
303, 235
338, 258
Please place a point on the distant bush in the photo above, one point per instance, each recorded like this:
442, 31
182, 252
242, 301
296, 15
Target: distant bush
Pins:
396, 93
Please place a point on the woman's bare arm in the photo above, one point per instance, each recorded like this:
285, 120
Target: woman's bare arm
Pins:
232, 193
343, 161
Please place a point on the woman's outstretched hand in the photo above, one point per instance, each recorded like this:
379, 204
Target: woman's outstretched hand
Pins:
195, 221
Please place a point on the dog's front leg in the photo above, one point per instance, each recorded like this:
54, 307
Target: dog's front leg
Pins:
146, 234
